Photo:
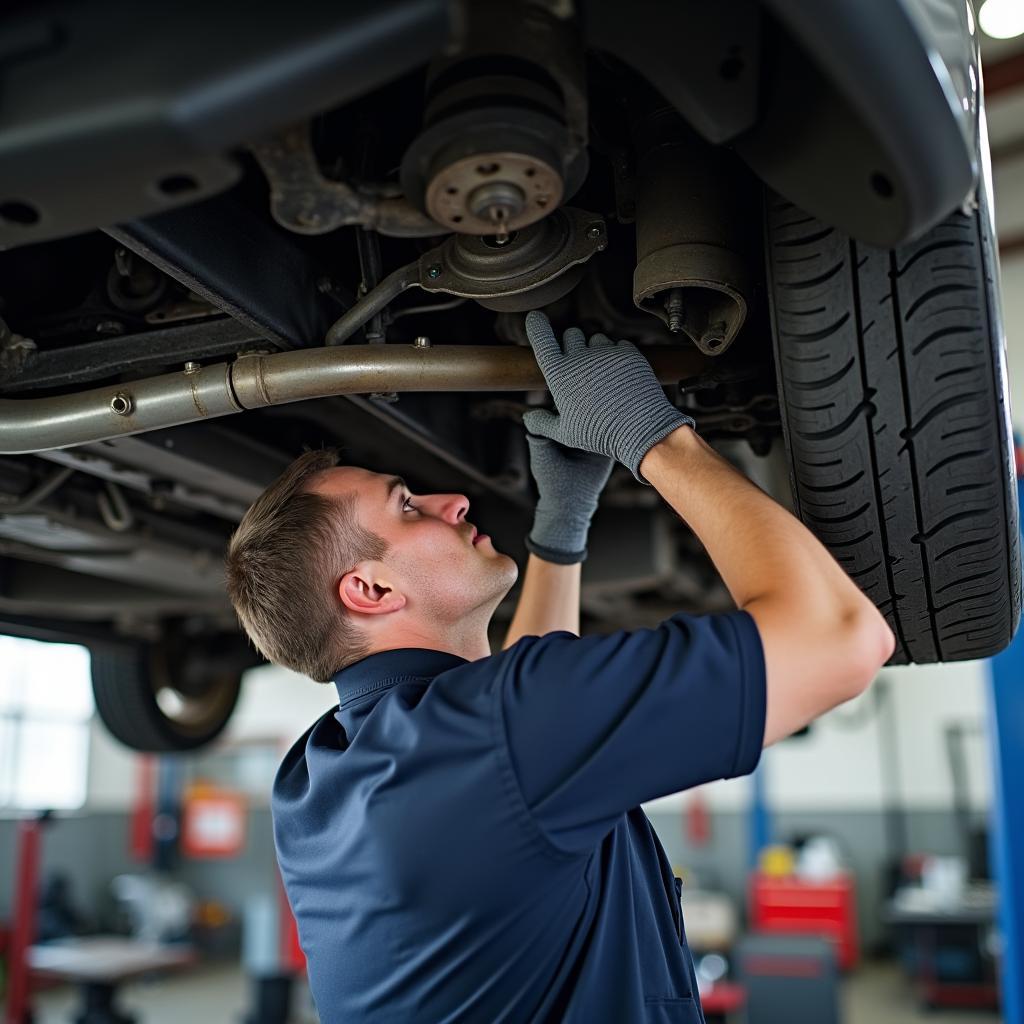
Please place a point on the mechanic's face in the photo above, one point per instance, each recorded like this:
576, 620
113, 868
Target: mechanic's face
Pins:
436, 559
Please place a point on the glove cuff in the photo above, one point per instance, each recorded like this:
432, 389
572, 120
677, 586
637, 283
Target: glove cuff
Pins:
672, 422
557, 557
558, 536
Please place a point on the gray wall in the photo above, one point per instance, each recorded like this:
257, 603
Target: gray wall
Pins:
93, 848
90, 848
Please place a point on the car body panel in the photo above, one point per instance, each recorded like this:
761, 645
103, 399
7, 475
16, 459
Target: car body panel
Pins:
870, 114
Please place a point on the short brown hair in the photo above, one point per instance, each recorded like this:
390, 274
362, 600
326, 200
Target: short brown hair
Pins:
283, 565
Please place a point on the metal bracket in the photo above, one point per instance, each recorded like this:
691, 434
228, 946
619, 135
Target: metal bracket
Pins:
304, 201
519, 273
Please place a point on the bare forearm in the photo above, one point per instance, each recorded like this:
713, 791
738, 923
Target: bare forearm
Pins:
549, 601
823, 639
756, 545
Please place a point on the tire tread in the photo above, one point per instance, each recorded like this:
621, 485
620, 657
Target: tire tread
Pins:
893, 410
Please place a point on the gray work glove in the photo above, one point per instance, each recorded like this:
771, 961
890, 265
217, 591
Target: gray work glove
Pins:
609, 401
569, 483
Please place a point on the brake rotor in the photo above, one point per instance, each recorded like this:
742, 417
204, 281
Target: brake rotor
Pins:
493, 193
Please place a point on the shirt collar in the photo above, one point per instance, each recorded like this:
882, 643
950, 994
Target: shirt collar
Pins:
376, 673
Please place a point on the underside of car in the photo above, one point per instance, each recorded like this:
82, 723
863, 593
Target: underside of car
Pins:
324, 226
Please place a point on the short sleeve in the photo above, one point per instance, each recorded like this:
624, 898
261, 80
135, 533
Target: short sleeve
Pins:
597, 725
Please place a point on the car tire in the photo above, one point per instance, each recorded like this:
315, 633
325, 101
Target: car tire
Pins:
143, 701
891, 375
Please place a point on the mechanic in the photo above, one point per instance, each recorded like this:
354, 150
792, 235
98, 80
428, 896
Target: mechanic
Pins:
461, 839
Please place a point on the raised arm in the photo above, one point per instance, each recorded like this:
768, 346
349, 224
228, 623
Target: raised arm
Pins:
823, 640
549, 600
569, 484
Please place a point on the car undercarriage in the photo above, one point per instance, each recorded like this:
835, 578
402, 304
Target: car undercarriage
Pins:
328, 232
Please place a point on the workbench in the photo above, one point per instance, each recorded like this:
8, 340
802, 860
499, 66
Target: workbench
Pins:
99, 964
934, 931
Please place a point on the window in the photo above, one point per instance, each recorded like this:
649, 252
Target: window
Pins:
45, 708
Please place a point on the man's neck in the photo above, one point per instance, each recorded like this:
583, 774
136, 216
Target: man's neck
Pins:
465, 640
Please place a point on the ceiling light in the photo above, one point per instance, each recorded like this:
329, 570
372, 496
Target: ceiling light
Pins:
1002, 19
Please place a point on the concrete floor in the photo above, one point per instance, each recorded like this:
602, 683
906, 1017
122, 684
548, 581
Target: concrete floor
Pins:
879, 994
875, 995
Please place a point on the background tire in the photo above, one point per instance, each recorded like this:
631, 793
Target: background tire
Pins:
154, 701
891, 376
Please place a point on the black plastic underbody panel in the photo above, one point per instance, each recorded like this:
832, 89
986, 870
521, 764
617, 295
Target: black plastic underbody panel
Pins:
857, 127
112, 112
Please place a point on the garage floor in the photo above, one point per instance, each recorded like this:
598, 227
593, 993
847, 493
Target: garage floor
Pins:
875, 994
879, 994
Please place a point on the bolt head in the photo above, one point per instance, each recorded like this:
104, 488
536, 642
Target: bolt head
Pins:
192, 367
121, 404
421, 341
594, 231
434, 271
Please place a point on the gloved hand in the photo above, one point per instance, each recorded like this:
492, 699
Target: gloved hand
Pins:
569, 483
609, 401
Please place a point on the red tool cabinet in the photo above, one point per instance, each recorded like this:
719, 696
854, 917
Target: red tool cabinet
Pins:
793, 906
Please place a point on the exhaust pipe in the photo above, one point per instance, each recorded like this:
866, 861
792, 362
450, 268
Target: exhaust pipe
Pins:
32, 425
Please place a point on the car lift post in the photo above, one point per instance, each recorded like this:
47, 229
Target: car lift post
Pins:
1006, 731
759, 817
26, 895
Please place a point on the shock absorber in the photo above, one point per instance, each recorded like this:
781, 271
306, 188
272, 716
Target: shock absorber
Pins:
695, 232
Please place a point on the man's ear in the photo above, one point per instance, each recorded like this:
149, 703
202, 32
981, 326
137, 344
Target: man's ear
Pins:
366, 590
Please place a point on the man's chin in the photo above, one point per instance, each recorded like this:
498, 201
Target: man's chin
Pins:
500, 563
506, 571
513, 570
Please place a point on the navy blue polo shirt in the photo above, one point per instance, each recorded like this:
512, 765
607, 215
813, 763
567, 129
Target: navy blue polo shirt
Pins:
462, 841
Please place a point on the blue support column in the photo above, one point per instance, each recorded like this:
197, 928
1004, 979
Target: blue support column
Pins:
760, 820
1006, 731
